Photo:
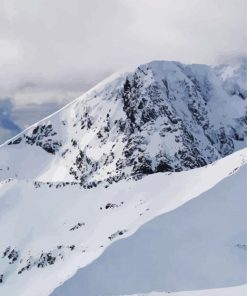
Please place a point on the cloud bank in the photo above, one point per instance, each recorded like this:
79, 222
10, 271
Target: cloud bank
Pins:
55, 50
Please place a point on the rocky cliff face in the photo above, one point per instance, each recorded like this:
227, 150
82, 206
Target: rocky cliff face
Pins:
163, 116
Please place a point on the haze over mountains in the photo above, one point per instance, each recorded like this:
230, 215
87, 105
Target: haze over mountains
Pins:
15, 118
136, 146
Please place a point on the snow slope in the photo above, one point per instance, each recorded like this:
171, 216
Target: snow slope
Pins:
47, 233
230, 291
200, 245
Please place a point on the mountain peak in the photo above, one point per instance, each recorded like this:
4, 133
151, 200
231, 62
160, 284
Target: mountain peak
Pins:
163, 116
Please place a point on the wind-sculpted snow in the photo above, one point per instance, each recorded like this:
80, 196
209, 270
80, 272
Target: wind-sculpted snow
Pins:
48, 232
229, 291
163, 116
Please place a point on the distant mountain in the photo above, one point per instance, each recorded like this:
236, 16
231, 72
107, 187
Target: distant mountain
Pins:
8, 127
14, 119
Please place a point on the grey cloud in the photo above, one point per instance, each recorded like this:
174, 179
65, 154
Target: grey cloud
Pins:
60, 48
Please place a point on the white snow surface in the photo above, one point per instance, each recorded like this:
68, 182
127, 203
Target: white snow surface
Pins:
199, 245
230, 291
39, 220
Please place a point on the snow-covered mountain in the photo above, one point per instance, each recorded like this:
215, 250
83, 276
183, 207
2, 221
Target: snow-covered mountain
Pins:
163, 116
136, 146
47, 233
199, 245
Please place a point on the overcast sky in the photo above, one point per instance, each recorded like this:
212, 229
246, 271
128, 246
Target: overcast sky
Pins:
56, 49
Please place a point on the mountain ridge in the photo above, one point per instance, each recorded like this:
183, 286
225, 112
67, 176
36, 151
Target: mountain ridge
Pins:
50, 232
164, 116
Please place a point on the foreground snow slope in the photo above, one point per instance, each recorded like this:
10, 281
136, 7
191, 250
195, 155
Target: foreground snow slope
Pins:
48, 232
200, 245
230, 291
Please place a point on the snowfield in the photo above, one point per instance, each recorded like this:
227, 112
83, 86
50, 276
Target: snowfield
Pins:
199, 245
230, 291
54, 231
